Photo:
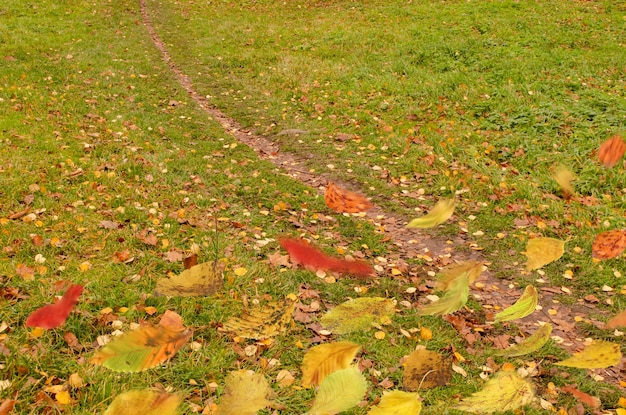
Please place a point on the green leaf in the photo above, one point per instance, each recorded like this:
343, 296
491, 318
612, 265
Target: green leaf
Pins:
340, 391
398, 403
144, 402
452, 300
542, 251
450, 274
245, 393
533, 343
506, 391
440, 213
199, 280
358, 314
597, 355
523, 307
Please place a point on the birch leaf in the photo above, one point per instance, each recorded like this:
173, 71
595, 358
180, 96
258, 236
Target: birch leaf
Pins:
452, 300
398, 403
145, 402
505, 391
263, 322
358, 314
542, 251
340, 391
324, 359
599, 354
533, 343
245, 393
199, 280
524, 306
440, 213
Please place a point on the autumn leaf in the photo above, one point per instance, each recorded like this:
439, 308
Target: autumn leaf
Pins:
506, 391
245, 393
340, 391
448, 276
452, 300
144, 402
199, 280
341, 200
397, 403
144, 348
611, 151
441, 212
533, 343
358, 314
609, 244
564, 178
618, 320
425, 369
7, 406
590, 401
542, 251
524, 306
322, 360
263, 322
53, 315
599, 354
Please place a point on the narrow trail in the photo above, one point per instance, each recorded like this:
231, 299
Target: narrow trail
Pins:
408, 243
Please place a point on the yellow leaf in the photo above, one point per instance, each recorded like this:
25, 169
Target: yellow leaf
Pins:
426, 333
599, 354
263, 322
620, 411
398, 403
542, 251
241, 271
440, 213
532, 343
63, 397
85, 266
523, 307
358, 314
245, 393
454, 298
424, 369
340, 391
320, 361
379, 335
449, 275
199, 280
144, 402
564, 177
505, 391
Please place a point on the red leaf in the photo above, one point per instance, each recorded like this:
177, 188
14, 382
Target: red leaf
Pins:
313, 259
54, 315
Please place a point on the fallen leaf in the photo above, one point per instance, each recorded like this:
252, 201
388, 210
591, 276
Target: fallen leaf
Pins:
441, 212
190, 261
53, 315
320, 361
448, 276
397, 403
245, 393
425, 369
524, 306
358, 314
506, 391
599, 354
542, 251
200, 280
7, 406
452, 300
107, 224
590, 401
532, 343
340, 391
144, 402
618, 320
341, 200
263, 322
609, 244
611, 151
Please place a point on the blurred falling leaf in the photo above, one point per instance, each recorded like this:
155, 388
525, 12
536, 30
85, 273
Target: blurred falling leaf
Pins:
609, 244
245, 393
199, 280
340, 391
524, 306
447, 277
506, 391
54, 315
564, 178
618, 320
590, 401
611, 151
144, 348
322, 360
452, 300
341, 200
144, 402
398, 403
263, 322
440, 213
358, 314
532, 343
542, 251
599, 354
424, 369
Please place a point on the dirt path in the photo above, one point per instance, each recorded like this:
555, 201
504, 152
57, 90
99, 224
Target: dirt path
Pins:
409, 243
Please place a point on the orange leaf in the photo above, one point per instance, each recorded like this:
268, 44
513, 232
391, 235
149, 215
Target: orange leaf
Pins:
609, 244
618, 321
342, 200
7, 406
611, 151
590, 401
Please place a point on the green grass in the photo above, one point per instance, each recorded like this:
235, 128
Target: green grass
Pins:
443, 97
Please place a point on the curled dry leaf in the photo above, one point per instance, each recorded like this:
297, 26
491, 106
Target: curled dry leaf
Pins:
609, 244
344, 201
611, 151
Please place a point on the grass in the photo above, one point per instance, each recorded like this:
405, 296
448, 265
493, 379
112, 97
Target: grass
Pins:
483, 98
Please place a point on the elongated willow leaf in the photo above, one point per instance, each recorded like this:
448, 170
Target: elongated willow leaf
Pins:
440, 213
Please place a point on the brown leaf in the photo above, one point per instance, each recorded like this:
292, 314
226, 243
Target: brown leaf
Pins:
121, 256
611, 151
190, 261
37, 240
341, 200
617, 321
609, 244
590, 401
277, 259
107, 224
424, 369
147, 238
7, 406
19, 214
174, 256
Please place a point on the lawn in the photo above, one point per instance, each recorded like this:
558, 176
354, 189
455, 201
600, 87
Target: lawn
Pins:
111, 175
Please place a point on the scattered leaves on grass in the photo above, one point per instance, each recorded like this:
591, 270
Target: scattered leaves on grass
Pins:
340, 391
245, 393
524, 306
611, 151
263, 322
358, 314
53, 315
144, 348
609, 244
506, 391
452, 300
441, 212
531, 344
324, 359
344, 201
314, 259
425, 369
144, 402
564, 178
397, 403
618, 320
599, 354
542, 251
199, 280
